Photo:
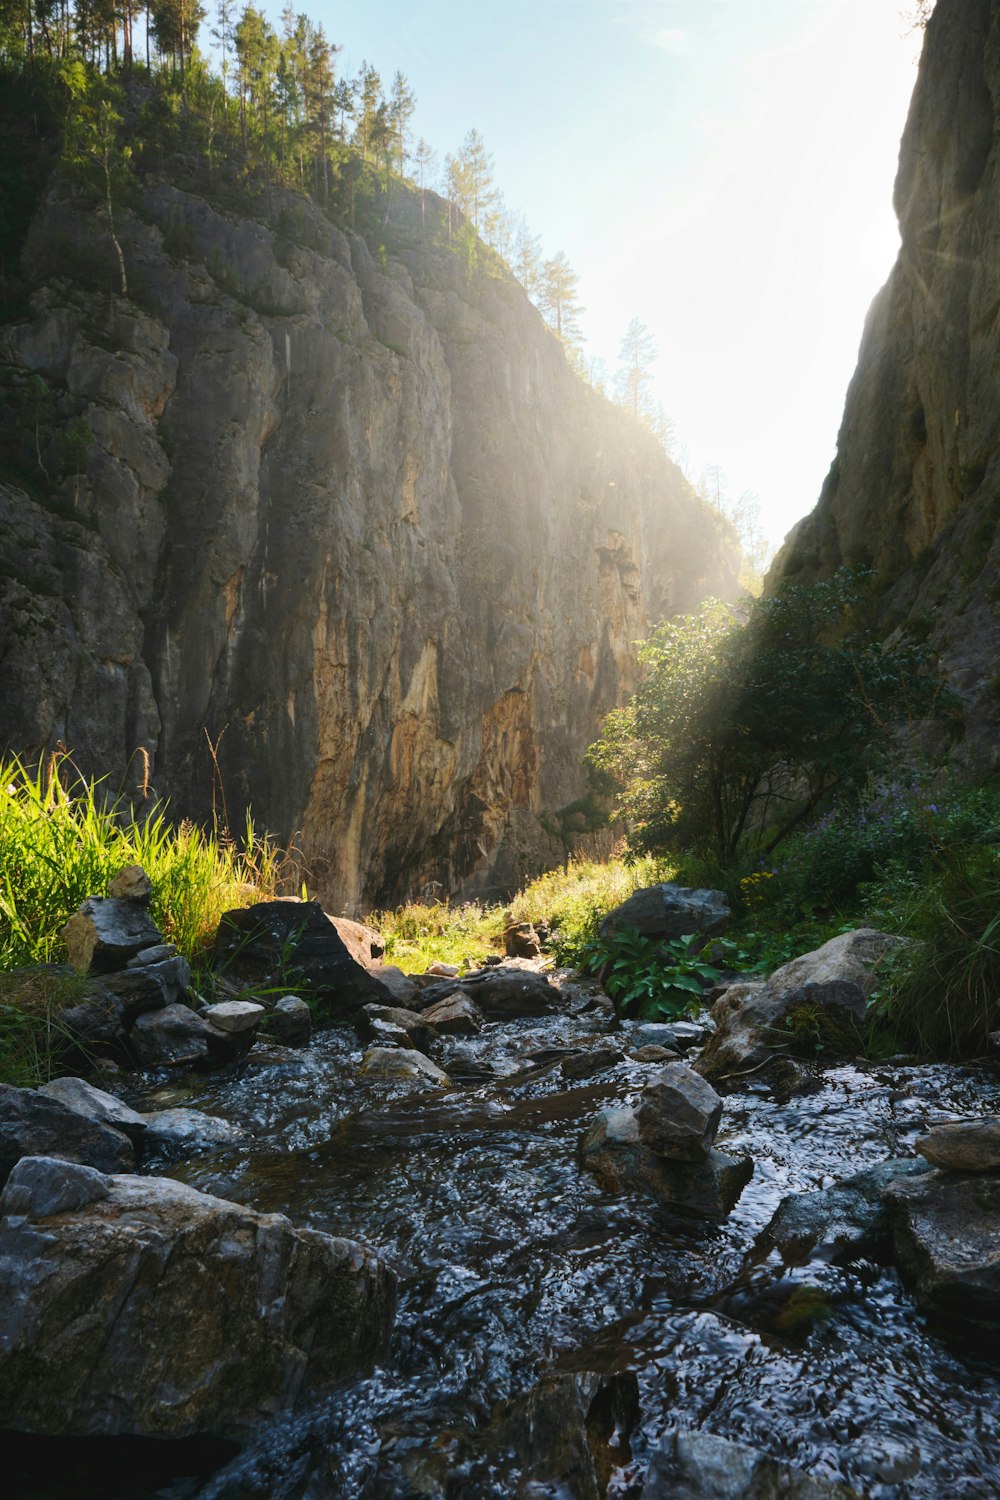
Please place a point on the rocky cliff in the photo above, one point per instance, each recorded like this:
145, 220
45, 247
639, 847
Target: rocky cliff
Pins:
337, 506
915, 486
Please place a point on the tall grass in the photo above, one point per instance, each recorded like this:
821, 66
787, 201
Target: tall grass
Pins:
62, 839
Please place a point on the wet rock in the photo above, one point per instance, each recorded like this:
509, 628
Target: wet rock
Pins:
946, 1238
678, 1035
234, 1016
612, 1151
400, 1064
670, 911
842, 1222
963, 1145
455, 1015
170, 1037
465, 1067
279, 939
701, 1466
679, 1114
814, 1005
391, 1026
565, 1435
654, 1054
136, 1305
290, 1022
593, 1060
131, 884
105, 933
154, 955
32, 1124
95, 1024
520, 940
94, 1104
182, 1132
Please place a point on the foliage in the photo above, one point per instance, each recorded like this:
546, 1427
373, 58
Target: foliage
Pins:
655, 978
740, 732
33, 1041
63, 838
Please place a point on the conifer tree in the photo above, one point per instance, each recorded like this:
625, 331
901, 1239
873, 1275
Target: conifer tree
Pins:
558, 300
636, 356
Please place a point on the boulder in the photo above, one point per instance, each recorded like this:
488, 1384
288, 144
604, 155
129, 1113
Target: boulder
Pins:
443, 971
234, 1016
401, 987
149, 983
963, 1145
594, 1060
105, 933
842, 1222
136, 1305
455, 1015
679, 1035
171, 1037
131, 884
183, 1132
701, 1466
363, 943
290, 1022
612, 1151
654, 1054
392, 1026
520, 940
397, 1064
946, 1238
95, 1104
295, 940
679, 1114
563, 1436
32, 1124
670, 911
501, 993
814, 1005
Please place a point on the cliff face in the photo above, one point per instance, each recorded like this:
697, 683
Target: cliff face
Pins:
346, 514
915, 487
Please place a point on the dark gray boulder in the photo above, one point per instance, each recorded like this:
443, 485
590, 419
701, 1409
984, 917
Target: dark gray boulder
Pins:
290, 1022
701, 1466
670, 911
391, 1025
841, 1222
946, 1238
455, 1015
963, 1145
136, 1305
172, 1037
612, 1150
105, 933
678, 1114
295, 942
32, 1124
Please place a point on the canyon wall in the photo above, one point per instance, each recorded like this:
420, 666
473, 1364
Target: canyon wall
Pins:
334, 510
915, 486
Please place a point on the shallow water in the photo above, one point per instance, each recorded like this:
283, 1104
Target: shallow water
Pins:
514, 1263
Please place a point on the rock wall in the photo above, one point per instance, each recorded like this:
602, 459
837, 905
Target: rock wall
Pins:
342, 511
915, 486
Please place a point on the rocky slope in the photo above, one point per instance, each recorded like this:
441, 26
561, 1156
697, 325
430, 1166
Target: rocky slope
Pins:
915, 486
344, 512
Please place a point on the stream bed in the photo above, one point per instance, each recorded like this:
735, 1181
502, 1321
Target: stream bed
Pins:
515, 1266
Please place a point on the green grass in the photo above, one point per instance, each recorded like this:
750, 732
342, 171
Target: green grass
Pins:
571, 901
33, 1040
63, 839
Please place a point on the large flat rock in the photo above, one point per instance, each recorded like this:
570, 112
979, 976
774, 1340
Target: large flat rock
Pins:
136, 1305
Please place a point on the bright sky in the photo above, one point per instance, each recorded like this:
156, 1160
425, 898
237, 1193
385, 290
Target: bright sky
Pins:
721, 169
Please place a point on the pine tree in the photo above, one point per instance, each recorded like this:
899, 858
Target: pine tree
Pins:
636, 356
472, 181
558, 300
527, 259
402, 103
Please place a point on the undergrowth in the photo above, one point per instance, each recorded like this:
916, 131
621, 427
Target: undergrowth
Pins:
63, 838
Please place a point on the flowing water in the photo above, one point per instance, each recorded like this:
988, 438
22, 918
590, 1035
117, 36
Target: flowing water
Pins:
513, 1264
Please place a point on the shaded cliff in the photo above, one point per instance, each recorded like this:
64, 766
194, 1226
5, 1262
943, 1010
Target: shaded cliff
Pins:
915, 486
342, 505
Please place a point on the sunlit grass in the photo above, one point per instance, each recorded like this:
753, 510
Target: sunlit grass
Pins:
62, 840
570, 901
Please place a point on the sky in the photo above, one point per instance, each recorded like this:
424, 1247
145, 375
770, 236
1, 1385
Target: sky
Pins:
720, 169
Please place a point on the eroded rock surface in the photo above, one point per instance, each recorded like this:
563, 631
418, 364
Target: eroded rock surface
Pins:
138, 1305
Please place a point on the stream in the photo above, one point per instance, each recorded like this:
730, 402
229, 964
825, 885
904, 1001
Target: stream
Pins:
514, 1264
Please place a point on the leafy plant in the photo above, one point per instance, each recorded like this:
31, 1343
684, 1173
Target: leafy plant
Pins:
655, 978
